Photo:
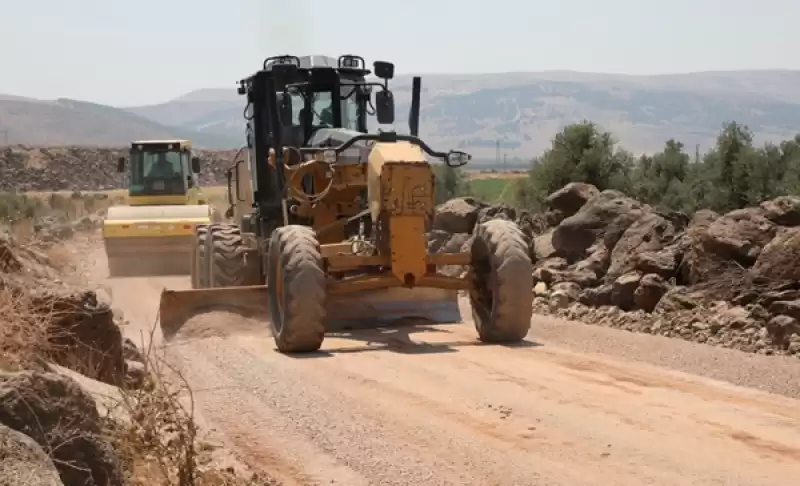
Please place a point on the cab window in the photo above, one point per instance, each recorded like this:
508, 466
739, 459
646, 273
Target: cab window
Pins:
156, 173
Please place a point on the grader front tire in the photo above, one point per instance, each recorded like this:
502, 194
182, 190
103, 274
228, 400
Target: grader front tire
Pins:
297, 293
502, 293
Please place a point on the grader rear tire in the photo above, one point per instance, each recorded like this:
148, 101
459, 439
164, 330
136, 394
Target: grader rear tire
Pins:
229, 266
502, 293
198, 262
296, 282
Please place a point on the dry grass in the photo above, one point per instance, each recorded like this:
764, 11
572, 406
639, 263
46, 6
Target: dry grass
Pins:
87, 203
24, 334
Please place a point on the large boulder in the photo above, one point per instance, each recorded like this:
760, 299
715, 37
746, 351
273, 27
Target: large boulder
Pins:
543, 246
780, 258
605, 216
623, 290
648, 234
725, 245
784, 210
23, 461
60, 416
457, 215
739, 235
569, 199
502, 211
649, 292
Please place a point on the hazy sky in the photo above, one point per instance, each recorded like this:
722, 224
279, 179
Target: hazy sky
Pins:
148, 51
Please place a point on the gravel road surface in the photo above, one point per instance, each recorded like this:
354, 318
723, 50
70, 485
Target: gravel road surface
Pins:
428, 405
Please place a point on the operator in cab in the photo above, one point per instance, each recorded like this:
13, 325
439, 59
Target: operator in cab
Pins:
162, 169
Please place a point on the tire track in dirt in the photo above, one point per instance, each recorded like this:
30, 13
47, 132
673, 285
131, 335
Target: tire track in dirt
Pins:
580, 420
311, 418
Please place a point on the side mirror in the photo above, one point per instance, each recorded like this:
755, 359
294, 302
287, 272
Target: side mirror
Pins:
456, 158
196, 165
383, 69
285, 109
121, 164
384, 107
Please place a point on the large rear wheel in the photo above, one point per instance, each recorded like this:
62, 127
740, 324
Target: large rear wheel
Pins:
297, 294
502, 292
229, 265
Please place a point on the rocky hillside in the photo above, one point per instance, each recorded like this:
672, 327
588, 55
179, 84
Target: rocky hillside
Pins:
731, 280
79, 168
80, 405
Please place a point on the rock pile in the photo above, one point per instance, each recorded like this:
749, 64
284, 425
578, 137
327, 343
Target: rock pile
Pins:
87, 169
604, 258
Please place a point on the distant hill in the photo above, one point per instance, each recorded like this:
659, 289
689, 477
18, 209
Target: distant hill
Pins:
472, 112
70, 122
525, 110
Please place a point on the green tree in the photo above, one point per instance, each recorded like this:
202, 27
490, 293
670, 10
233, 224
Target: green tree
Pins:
579, 153
663, 179
726, 182
450, 182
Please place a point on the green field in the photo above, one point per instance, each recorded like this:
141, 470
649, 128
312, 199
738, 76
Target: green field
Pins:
493, 191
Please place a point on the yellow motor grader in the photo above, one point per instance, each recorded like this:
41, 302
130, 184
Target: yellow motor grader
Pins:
154, 233
329, 221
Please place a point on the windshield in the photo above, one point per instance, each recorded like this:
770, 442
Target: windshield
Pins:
157, 173
322, 108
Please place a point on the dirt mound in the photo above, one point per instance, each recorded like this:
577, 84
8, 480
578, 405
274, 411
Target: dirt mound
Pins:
602, 257
220, 324
87, 169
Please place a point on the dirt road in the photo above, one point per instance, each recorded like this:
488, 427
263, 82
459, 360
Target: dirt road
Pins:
427, 405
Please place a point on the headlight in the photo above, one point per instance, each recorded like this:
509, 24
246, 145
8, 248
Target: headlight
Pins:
329, 156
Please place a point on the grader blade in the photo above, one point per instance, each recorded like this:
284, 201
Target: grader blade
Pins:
376, 308
362, 310
178, 306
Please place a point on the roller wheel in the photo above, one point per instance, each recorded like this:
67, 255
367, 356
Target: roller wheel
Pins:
502, 293
296, 282
229, 266
198, 262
